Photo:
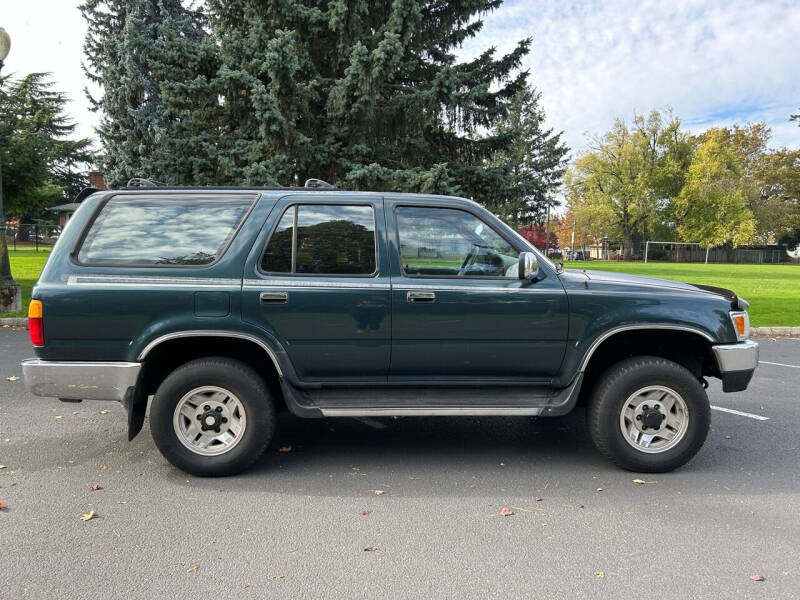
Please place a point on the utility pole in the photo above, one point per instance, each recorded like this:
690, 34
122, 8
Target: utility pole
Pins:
10, 292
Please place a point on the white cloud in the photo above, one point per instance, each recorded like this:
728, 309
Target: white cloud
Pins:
712, 62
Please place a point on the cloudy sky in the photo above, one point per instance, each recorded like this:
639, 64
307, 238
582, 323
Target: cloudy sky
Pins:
712, 62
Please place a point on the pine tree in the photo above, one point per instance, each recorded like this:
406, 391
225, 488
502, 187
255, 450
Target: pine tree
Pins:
138, 51
535, 158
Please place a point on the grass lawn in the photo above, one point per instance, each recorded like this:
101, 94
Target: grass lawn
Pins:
773, 291
26, 264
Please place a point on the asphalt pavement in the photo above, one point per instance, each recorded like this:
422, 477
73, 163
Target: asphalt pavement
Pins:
297, 525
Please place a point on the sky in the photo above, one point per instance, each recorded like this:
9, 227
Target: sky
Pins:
711, 62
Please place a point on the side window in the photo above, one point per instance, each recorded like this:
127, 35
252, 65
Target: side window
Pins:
163, 230
447, 242
322, 239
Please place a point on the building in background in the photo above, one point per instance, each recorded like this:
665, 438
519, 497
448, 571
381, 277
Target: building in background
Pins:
65, 211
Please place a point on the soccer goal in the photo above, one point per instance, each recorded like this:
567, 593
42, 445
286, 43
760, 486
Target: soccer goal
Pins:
676, 251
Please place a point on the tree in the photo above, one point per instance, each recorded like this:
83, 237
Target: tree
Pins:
41, 165
712, 206
138, 52
535, 158
364, 95
537, 235
626, 179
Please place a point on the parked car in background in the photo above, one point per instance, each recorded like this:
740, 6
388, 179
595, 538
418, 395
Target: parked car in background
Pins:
226, 305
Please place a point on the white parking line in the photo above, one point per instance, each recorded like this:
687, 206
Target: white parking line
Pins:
740, 413
764, 362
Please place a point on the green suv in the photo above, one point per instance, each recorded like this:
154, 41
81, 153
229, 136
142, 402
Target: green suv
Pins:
226, 305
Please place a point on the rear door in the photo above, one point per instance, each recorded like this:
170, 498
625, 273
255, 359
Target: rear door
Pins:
460, 312
317, 279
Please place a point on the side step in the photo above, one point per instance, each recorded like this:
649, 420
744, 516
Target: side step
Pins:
387, 402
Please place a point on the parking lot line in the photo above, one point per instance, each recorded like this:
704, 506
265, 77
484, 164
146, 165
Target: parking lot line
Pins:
740, 413
764, 362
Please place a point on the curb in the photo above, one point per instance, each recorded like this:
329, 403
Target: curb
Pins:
773, 331
14, 322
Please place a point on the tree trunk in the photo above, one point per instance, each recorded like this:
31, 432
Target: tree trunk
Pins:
627, 251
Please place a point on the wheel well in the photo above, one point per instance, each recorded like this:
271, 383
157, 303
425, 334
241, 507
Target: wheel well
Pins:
171, 354
691, 350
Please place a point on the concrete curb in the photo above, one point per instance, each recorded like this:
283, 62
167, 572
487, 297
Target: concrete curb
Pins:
773, 331
14, 322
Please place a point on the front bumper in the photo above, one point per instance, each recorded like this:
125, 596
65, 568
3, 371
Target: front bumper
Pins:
736, 363
80, 380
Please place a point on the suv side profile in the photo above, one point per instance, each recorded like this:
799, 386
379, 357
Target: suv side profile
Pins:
227, 304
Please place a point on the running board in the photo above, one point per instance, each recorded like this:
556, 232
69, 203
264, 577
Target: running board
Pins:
389, 402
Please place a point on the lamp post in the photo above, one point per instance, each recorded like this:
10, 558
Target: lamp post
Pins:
10, 293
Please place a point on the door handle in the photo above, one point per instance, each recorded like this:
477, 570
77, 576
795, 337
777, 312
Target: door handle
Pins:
274, 297
421, 297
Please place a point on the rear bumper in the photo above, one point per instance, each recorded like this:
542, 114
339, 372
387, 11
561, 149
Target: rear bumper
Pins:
80, 380
736, 363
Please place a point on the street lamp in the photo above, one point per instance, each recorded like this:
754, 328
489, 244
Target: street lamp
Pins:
10, 293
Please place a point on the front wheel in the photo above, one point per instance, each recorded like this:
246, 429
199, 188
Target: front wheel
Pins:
212, 417
649, 414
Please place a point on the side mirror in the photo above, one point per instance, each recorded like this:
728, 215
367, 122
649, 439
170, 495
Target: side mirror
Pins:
528, 266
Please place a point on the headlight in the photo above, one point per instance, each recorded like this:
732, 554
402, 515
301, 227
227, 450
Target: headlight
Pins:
741, 324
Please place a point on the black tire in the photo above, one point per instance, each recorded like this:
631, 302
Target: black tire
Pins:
232, 375
616, 386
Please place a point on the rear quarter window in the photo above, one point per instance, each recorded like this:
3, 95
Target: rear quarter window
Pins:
163, 230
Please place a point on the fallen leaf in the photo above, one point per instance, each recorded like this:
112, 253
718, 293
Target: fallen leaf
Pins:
365, 512
278, 576
639, 481
506, 512
599, 574
59, 416
2, 467
286, 448
758, 577
192, 569
539, 498
581, 506
378, 492
599, 489
104, 467
88, 516
96, 487
370, 549
2, 506
12, 378
105, 411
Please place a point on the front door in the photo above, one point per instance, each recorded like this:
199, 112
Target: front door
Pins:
318, 281
460, 311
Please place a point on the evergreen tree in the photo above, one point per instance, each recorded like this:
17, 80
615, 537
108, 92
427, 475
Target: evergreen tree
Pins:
536, 160
137, 51
41, 166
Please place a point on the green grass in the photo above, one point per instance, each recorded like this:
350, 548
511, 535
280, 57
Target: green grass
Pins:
26, 264
773, 291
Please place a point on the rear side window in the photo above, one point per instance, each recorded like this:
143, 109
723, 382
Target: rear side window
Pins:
165, 230
322, 239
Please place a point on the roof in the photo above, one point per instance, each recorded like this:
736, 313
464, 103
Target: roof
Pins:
71, 207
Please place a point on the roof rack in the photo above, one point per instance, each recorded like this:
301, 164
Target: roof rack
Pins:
318, 184
140, 182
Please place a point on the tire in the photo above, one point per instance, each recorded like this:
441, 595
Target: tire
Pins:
650, 384
212, 417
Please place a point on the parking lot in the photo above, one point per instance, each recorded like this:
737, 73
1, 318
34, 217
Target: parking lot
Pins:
298, 524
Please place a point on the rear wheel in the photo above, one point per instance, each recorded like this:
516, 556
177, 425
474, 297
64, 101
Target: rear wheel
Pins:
212, 417
649, 414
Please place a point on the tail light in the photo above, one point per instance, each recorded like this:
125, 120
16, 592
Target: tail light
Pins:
35, 323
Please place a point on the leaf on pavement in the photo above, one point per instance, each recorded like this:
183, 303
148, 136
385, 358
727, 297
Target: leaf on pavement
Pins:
365, 512
286, 448
370, 549
193, 568
12, 378
758, 577
639, 481
278, 576
378, 492
104, 467
506, 512
2, 467
2, 506
539, 498
105, 411
59, 416
88, 516
599, 574
96, 487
